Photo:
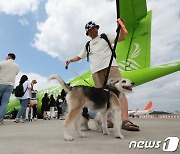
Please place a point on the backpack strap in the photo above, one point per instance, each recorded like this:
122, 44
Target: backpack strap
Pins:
25, 90
88, 49
103, 36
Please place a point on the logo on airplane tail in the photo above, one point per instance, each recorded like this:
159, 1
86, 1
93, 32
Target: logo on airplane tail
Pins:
131, 64
136, 51
149, 106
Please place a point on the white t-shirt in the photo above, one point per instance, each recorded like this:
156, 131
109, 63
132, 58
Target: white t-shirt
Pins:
100, 53
8, 71
27, 85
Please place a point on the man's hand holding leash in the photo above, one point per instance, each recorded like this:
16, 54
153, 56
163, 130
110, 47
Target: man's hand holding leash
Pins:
75, 59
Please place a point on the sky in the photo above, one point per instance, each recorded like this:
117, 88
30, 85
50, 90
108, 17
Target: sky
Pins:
45, 33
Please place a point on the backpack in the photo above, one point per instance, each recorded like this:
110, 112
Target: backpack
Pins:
103, 36
19, 90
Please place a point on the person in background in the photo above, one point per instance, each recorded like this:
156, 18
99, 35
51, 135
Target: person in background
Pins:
34, 99
64, 103
24, 100
59, 102
8, 71
45, 106
63, 94
31, 110
52, 106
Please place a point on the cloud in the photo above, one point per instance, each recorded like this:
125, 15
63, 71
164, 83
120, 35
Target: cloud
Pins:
23, 22
18, 7
165, 32
62, 34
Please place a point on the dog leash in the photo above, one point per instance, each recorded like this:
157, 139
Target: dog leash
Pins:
120, 26
78, 75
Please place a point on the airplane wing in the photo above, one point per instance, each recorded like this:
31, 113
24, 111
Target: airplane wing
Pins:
145, 75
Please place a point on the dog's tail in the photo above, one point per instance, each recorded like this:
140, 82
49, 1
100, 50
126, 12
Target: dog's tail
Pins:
63, 84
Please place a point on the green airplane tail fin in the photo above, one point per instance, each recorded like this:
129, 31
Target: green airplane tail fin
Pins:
134, 52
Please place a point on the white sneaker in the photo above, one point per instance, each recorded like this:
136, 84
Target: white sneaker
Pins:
16, 120
22, 120
62, 118
35, 119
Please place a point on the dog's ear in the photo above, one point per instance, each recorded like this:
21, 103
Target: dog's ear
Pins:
113, 81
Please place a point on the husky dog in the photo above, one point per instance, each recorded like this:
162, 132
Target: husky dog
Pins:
98, 99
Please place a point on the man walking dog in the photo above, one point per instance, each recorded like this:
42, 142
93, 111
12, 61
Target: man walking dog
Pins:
99, 55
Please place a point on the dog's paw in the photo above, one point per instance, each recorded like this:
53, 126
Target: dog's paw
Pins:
106, 132
82, 135
68, 138
100, 130
119, 136
85, 129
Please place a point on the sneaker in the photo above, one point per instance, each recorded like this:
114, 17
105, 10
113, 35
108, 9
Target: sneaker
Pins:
17, 120
62, 118
22, 121
35, 119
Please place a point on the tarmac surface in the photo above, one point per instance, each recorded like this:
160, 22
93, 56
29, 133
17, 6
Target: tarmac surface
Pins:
46, 137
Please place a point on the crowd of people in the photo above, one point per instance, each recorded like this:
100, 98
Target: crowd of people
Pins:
26, 94
50, 104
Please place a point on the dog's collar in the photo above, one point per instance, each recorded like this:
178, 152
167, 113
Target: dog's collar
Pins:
113, 89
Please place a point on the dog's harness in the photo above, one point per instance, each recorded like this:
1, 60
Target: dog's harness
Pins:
110, 88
